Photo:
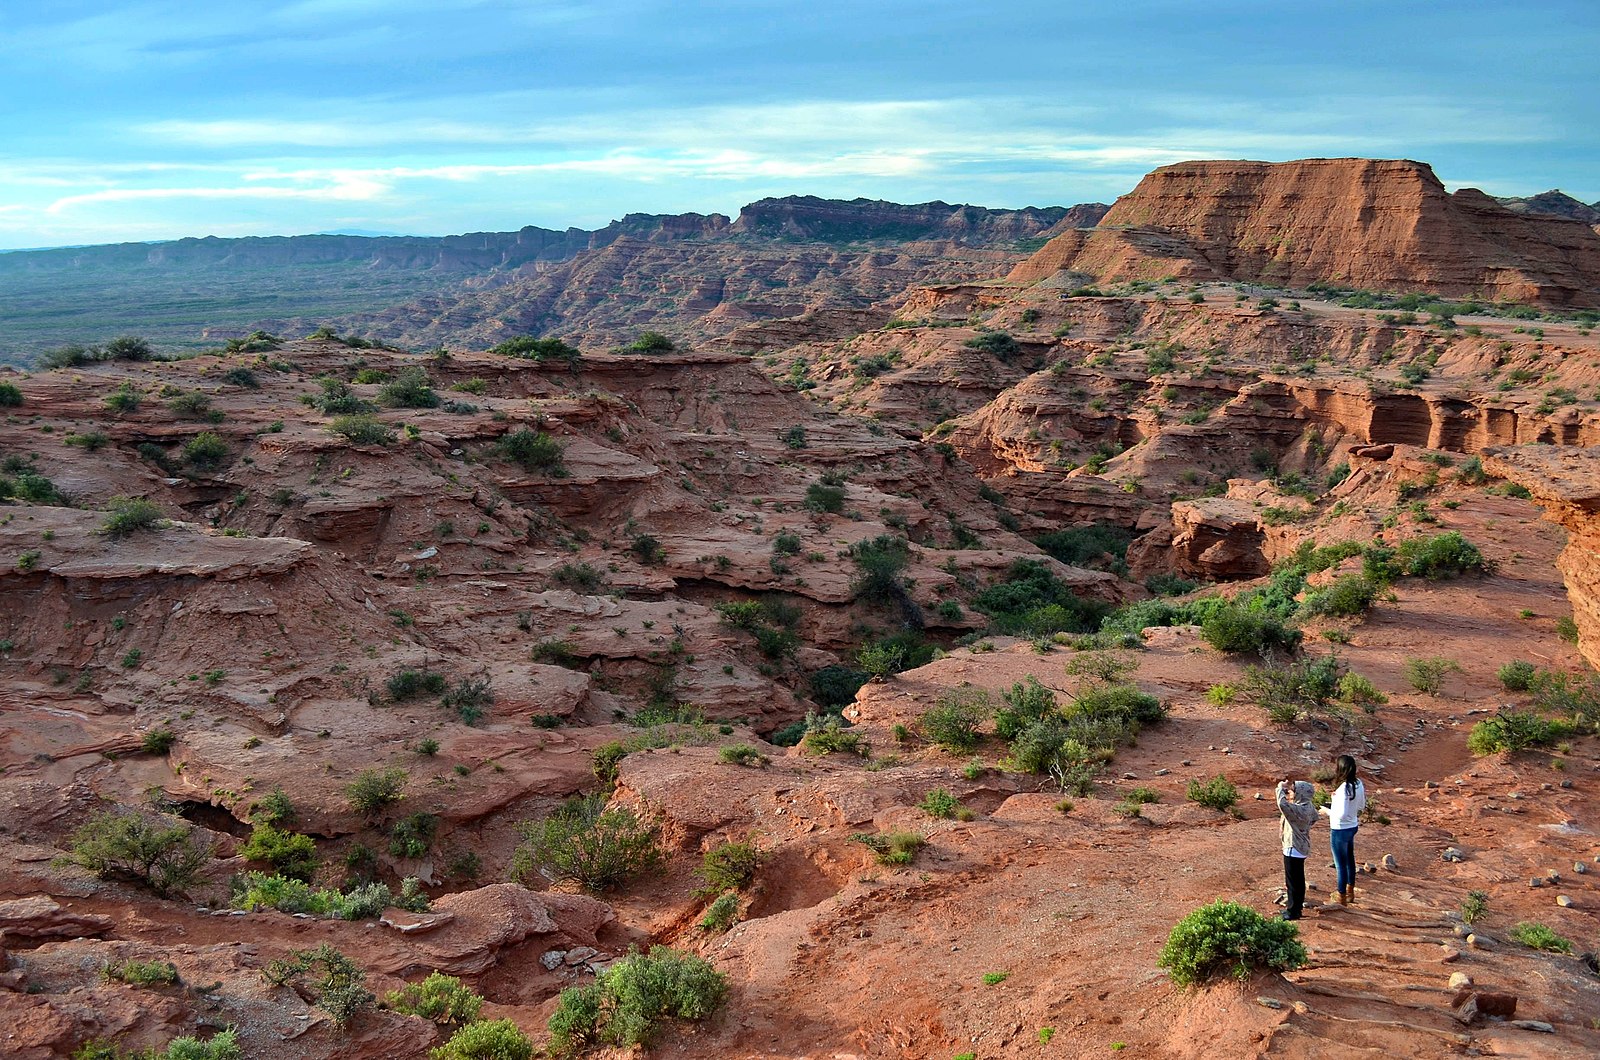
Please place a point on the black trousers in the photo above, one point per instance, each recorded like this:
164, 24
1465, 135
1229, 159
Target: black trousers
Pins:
1294, 879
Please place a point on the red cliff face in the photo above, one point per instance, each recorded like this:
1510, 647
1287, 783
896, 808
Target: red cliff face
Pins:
1386, 225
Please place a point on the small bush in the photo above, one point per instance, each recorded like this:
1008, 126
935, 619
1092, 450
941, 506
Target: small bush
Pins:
1515, 730
205, 451
530, 450
123, 845
827, 736
1517, 676
334, 980
1025, 703
628, 1003
1443, 556
892, 848
141, 973
409, 389
470, 698
361, 429
412, 835
1350, 595
444, 999
1358, 691
1301, 689
1232, 629
409, 684
125, 398
1229, 936
1540, 937
1567, 629
375, 790
586, 841
538, 350
290, 854
650, 342
741, 754
836, 686
721, 914
953, 721
998, 343
10, 395
1220, 695
1217, 793
728, 867
821, 498
130, 515
486, 1040
158, 741
1474, 906
940, 804
1427, 675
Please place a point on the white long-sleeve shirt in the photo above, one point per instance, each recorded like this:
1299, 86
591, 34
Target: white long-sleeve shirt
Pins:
1344, 809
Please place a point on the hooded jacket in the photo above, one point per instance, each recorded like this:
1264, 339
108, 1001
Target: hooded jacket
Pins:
1298, 817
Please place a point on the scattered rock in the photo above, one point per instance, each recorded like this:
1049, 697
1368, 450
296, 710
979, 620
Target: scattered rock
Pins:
580, 955
1453, 854
1563, 901
1536, 882
1451, 955
1307, 745
552, 959
1459, 980
1269, 1002
1579, 867
1390, 863
1162, 772
1533, 1025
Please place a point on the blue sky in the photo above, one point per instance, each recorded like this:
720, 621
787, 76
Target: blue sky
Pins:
154, 119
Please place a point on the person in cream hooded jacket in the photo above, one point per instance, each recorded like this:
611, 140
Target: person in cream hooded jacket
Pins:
1299, 814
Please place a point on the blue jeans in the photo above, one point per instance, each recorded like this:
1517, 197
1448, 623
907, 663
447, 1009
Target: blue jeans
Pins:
1344, 855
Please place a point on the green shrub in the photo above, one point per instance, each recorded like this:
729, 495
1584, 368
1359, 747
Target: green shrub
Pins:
123, 845
470, 698
361, 429
205, 450
1517, 676
721, 914
241, 377
1427, 675
1474, 906
940, 804
1349, 595
375, 790
1235, 630
158, 741
531, 450
1025, 703
127, 348
728, 867
129, 515
1540, 937
786, 544
191, 404
260, 890
290, 854
1567, 629
1229, 936
409, 684
586, 841
628, 1003
1301, 689
125, 398
836, 686
412, 835
741, 754
10, 395
828, 735
879, 562
998, 343
650, 342
892, 848
141, 973
538, 350
1217, 793
647, 550
1358, 691
821, 498
334, 980
486, 1040
1515, 730
409, 389
953, 721
444, 999
1443, 556
1032, 601
1220, 695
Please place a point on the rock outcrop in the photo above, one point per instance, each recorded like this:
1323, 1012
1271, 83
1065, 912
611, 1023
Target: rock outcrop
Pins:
1377, 224
1566, 481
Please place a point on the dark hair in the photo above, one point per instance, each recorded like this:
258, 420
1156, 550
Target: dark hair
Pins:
1345, 773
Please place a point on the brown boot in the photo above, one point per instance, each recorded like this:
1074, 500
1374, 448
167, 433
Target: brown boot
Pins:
1344, 895
1350, 896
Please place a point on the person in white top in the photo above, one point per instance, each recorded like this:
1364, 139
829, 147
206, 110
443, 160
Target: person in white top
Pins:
1344, 817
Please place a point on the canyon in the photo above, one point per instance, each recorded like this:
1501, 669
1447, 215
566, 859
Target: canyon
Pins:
730, 587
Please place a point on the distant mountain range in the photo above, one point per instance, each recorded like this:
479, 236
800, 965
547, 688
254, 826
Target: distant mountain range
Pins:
188, 293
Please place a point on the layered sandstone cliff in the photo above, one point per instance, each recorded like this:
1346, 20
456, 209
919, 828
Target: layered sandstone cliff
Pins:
1379, 224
